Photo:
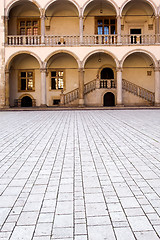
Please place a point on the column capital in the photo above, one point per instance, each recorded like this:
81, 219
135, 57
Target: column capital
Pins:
119, 69
118, 16
81, 17
43, 14
6, 18
81, 70
156, 69
43, 70
6, 71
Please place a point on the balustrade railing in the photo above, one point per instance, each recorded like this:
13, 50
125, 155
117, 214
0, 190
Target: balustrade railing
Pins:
24, 40
51, 40
90, 86
71, 96
136, 39
138, 91
100, 39
107, 83
71, 40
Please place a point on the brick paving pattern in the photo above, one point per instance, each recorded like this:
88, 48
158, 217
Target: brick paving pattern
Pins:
80, 175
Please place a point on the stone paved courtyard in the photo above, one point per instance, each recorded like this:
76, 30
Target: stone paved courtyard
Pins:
82, 175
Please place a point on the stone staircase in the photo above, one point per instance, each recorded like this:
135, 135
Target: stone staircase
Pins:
138, 91
109, 84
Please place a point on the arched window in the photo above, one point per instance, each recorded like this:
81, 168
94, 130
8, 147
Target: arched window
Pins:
107, 73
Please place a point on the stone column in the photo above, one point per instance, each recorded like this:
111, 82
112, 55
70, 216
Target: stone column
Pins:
81, 87
43, 87
2, 56
6, 28
157, 86
62, 98
6, 88
118, 29
157, 28
81, 29
119, 87
42, 29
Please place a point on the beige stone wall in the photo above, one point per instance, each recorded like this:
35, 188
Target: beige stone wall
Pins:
135, 70
63, 19
2, 57
24, 62
69, 65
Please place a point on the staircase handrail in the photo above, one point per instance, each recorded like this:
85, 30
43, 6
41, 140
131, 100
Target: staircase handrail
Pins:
138, 91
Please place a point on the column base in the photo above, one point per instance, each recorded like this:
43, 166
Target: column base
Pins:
119, 105
43, 105
7, 106
81, 103
157, 104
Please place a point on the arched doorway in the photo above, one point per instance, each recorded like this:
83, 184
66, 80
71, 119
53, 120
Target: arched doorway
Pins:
109, 100
107, 73
26, 102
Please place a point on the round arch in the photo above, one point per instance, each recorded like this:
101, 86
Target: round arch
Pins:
108, 99
26, 100
109, 1
152, 4
159, 10
19, 53
100, 51
11, 4
62, 51
72, 1
26, 95
139, 51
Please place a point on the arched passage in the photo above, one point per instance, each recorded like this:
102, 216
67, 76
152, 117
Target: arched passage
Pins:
109, 99
107, 73
62, 75
100, 19
138, 72
138, 18
95, 62
24, 77
26, 101
62, 16
99, 67
24, 18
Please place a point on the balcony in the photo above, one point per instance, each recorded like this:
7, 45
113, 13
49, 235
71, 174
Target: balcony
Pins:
88, 40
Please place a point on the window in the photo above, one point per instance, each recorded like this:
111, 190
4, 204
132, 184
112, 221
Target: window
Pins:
26, 81
105, 25
57, 79
28, 27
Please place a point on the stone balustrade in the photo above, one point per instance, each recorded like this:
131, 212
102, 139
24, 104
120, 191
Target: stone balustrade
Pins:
51, 40
71, 40
138, 91
18, 40
100, 39
135, 39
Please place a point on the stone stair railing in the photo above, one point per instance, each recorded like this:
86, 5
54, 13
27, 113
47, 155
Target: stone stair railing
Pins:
70, 96
138, 91
74, 95
88, 87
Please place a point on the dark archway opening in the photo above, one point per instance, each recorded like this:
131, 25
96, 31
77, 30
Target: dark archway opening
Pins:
107, 73
26, 102
109, 100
